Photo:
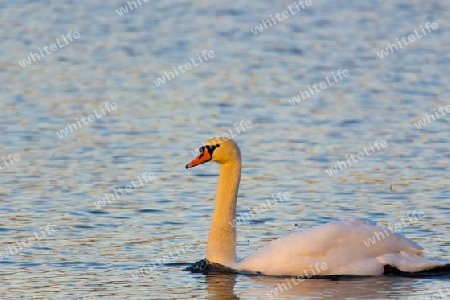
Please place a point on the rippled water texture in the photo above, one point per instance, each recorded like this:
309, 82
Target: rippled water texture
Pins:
60, 240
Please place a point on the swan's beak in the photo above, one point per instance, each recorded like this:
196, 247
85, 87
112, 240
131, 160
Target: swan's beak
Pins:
205, 155
200, 159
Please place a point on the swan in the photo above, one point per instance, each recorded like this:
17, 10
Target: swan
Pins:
336, 248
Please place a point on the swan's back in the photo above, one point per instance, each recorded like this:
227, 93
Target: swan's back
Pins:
344, 247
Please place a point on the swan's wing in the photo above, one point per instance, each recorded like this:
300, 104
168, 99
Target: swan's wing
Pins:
337, 248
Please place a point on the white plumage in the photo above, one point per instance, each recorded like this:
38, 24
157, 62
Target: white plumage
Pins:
356, 247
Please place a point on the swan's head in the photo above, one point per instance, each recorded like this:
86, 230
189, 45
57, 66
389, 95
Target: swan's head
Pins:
219, 150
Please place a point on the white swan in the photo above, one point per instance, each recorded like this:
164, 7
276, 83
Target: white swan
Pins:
336, 248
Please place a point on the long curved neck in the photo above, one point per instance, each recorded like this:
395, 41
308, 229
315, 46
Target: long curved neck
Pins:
221, 246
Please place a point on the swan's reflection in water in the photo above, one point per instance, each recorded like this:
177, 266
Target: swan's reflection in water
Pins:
226, 286
221, 286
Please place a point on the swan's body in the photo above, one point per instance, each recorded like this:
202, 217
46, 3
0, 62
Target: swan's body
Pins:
336, 248
340, 247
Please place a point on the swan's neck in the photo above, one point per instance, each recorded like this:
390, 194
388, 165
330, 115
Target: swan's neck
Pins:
222, 235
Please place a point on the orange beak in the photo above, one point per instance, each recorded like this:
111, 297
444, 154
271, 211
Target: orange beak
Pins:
200, 159
204, 156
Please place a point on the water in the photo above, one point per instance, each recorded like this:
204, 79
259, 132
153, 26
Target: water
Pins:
92, 253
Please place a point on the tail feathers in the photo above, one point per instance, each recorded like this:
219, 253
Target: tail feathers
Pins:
410, 264
436, 271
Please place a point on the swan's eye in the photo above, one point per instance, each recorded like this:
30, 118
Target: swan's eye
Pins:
204, 156
211, 148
